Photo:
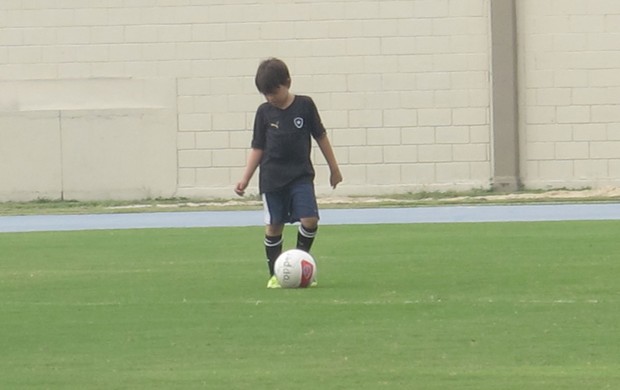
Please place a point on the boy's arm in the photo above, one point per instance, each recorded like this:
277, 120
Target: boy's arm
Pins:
253, 162
335, 176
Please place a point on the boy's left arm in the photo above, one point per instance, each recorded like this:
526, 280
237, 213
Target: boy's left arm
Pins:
335, 176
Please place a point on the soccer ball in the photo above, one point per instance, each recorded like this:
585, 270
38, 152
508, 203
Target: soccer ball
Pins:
295, 268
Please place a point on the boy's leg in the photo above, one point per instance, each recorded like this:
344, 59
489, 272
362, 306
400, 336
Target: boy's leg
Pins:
306, 233
304, 209
273, 244
276, 213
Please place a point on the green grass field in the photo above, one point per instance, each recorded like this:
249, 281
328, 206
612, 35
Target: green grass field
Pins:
422, 306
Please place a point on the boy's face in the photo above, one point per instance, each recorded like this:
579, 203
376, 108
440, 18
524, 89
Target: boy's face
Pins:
279, 97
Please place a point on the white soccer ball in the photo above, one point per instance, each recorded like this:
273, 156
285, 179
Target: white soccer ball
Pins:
295, 268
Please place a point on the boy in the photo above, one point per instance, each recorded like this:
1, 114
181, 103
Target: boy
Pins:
281, 146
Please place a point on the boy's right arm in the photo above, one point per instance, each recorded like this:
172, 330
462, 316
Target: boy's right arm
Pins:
253, 162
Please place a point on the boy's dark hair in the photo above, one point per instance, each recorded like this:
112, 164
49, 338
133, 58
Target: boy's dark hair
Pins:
271, 74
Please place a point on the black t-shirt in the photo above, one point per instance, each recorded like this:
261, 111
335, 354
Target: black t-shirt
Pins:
284, 137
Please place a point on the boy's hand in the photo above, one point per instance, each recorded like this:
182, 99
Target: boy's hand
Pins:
240, 188
335, 178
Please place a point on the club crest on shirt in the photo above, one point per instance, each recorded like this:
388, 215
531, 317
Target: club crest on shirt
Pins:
299, 122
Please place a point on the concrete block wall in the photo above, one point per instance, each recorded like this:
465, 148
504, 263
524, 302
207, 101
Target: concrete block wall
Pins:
569, 93
402, 85
391, 78
403, 88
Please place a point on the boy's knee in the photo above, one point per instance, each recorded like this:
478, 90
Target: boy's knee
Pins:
274, 230
310, 223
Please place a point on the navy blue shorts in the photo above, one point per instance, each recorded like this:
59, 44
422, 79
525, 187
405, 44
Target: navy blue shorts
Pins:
290, 204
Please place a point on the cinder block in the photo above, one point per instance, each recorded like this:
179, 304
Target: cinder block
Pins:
405, 82
417, 99
468, 43
434, 153
346, 29
107, 34
591, 169
73, 35
195, 122
186, 140
213, 140
434, 117
195, 158
604, 77
210, 32
141, 34
335, 119
573, 114
349, 137
433, 44
597, 96
605, 114
229, 158
433, 81
364, 82
34, 35
24, 54
480, 170
460, 8
453, 172
187, 177
398, 9
418, 135
95, 16
400, 154
613, 131
174, 33
473, 81
228, 121
367, 46
402, 45
75, 70
609, 149
452, 135
383, 174
383, 136
569, 42
214, 176
379, 28
540, 115
365, 154
583, 23
365, 118
540, 151
555, 170
418, 173
470, 116
452, 98
571, 78
572, 150
554, 96
549, 133
415, 26
614, 168
431, 8
383, 100
400, 118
